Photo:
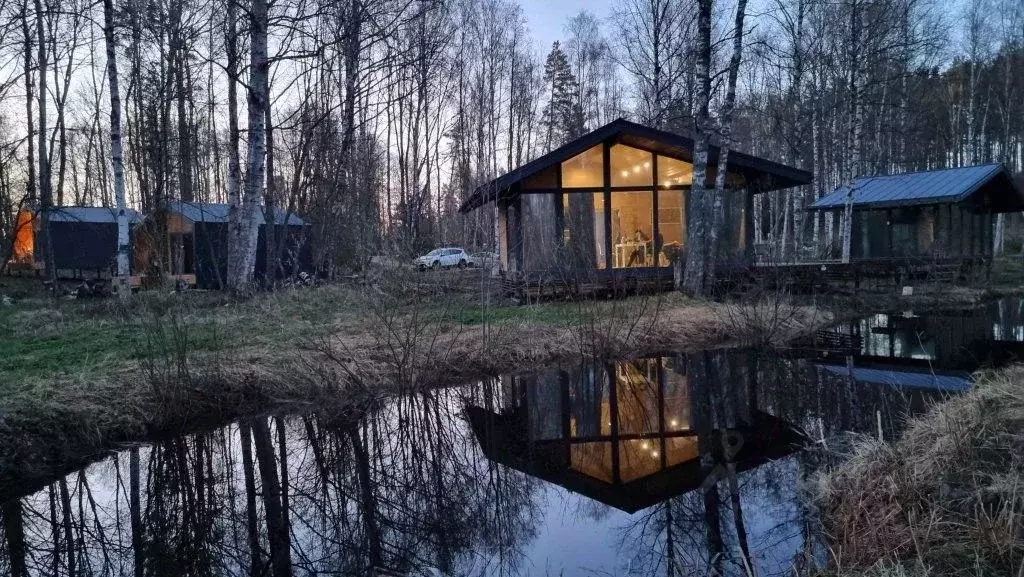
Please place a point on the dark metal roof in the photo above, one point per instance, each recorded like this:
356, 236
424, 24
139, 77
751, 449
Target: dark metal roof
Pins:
92, 214
904, 379
640, 136
217, 212
948, 185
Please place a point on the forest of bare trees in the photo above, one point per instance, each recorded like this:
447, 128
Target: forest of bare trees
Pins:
376, 119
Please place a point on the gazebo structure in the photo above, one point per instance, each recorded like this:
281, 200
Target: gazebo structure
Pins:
614, 204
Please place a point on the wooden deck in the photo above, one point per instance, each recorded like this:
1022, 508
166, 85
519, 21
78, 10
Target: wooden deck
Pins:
875, 272
804, 276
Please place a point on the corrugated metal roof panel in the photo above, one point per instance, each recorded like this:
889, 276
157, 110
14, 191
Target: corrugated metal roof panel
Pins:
944, 185
97, 214
216, 212
905, 379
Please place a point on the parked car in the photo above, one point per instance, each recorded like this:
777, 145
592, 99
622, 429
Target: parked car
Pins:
483, 259
443, 258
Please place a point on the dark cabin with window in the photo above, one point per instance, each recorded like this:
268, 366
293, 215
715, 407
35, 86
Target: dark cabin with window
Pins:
934, 215
84, 241
615, 202
197, 245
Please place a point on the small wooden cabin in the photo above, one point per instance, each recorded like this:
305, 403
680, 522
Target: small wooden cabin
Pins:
616, 202
84, 241
196, 241
934, 215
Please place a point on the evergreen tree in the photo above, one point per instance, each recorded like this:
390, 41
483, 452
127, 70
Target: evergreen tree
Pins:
563, 118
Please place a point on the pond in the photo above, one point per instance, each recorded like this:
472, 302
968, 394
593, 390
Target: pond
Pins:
676, 464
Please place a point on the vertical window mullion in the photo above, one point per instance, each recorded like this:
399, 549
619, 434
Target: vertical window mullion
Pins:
607, 169
656, 245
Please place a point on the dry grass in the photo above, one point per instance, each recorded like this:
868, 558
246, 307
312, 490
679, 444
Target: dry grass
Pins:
101, 373
946, 499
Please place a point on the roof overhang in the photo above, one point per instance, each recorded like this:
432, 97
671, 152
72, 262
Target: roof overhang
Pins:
764, 174
983, 188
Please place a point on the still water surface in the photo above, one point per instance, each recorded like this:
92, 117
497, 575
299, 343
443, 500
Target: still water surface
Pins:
678, 464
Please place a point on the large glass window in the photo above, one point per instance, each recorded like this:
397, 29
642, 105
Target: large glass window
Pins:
632, 229
631, 166
676, 389
584, 233
636, 388
671, 225
585, 169
672, 172
589, 402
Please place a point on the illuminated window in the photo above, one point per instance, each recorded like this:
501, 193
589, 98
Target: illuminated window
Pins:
589, 402
681, 449
671, 225
637, 396
677, 398
584, 234
639, 458
632, 229
672, 172
585, 169
593, 460
631, 166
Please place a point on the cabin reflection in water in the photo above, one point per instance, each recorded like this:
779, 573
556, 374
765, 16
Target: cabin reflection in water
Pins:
629, 434
936, 351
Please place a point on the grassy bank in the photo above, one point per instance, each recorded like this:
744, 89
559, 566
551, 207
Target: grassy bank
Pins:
78, 376
946, 499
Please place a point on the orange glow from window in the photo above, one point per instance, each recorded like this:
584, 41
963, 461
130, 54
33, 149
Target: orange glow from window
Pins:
24, 238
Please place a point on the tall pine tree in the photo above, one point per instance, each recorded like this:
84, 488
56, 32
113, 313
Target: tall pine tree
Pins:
563, 118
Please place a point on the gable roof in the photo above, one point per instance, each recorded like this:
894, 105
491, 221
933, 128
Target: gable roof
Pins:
947, 185
637, 135
90, 214
218, 213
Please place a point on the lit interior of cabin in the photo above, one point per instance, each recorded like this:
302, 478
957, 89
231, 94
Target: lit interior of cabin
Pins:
644, 231
651, 404
23, 251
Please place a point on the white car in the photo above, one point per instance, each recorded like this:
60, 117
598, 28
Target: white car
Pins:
443, 258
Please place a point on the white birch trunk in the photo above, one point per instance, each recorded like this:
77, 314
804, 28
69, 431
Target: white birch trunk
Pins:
123, 285
234, 184
45, 184
258, 101
697, 245
721, 172
856, 128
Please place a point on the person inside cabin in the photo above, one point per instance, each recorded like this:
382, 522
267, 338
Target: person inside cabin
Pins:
639, 254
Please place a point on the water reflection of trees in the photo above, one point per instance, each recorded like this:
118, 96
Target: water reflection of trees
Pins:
402, 489
403, 484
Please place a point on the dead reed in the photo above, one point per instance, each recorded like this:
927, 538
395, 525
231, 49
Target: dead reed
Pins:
946, 499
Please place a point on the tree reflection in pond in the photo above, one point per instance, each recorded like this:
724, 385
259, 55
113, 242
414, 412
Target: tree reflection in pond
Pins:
674, 465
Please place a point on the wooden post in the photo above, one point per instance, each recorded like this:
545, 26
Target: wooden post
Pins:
888, 226
607, 169
654, 208
613, 404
